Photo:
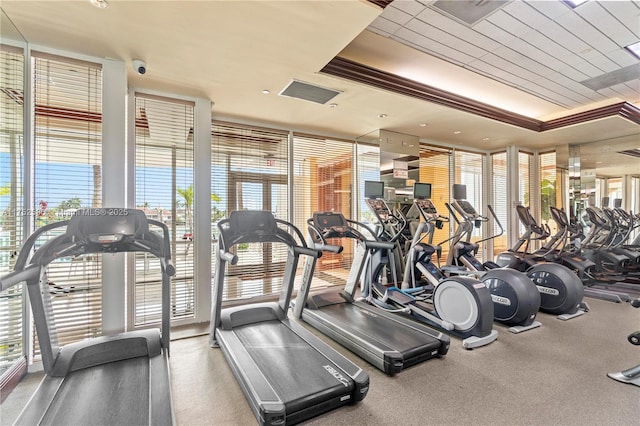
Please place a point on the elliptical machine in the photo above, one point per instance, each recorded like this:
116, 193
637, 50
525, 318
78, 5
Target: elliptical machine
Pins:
460, 306
561, 291
516, 299
630, 375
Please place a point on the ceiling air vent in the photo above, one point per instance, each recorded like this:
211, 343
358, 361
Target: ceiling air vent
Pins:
309, 92
631, 152
612, 78
469, 11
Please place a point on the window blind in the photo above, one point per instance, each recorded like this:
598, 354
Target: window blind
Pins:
164, 190
322, 181
499, 190
614, 189
468, 171
249, 171
11, 205
548, 187
435, 165
67, 176
368, 168
600, 192
525, 162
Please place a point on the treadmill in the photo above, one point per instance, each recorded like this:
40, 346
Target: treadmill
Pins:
121, 379
287, 374
388, 341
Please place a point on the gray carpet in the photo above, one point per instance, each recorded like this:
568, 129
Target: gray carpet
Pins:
553, 375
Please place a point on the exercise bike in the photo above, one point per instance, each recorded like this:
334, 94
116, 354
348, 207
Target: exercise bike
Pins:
561, 291
516, 298
460, 306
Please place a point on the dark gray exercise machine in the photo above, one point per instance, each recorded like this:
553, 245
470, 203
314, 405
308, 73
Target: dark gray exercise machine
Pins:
287, 374
630, 375
110, 380
516, 298
388, 341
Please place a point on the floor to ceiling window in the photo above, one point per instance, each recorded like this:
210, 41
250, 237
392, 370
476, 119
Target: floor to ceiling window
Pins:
249, 171
548, 188
12, 336
435, 166
323, 176
67, 175
525, 164
499, 191
164, 190
469, 172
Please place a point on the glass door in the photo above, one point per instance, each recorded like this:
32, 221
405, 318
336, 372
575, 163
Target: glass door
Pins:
260, 266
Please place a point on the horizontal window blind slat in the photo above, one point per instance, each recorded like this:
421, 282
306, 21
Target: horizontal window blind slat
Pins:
67, 175
164, 190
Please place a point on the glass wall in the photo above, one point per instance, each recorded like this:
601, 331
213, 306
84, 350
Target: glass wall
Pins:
323, 176
249, 171
548, 187
499, 188
12, 212
164, 190
67, 175
435, 167
469, 172
614, 189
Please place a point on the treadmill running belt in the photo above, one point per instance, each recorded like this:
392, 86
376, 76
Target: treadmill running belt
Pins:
297, 372
110, 394
408, 341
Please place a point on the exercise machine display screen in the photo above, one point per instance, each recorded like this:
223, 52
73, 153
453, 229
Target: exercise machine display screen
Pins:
329, 220
421, 191
373, 189
459, 191
426, 206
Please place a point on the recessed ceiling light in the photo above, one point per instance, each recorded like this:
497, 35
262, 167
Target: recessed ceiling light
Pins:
634, 48
485, 139
382, 116
100, 4
457, 132
266, 92
333, 105
423, 124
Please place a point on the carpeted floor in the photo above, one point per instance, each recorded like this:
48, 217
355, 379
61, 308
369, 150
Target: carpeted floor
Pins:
553, 375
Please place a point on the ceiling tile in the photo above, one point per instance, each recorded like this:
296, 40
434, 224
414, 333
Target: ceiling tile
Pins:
456, 29
440, 37
396, 15
600, 61
586, 32
432, 46
508, 23
411, 7
493, 32
607, 24
384, 27
622, 57
551, 9
627, 12
525, 13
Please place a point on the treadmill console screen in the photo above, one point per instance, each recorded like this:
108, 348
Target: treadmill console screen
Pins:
421, 191
329, 220
373, 189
